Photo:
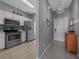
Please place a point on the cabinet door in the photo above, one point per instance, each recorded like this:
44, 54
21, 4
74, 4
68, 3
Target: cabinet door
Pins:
30, 35
2, 34
10, 16
2, 39
17, 17
21, 20
27, 19
2, 16
23, 36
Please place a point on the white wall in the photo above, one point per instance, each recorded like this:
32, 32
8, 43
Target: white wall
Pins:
61, 25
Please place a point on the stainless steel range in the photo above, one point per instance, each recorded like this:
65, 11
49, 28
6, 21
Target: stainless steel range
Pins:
12, 35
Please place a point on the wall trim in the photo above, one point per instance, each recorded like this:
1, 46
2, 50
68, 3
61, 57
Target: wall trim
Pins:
60, 40
45, 50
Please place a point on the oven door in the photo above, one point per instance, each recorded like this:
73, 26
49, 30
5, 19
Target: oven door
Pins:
13, 37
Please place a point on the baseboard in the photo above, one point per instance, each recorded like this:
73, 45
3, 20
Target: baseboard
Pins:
60, 40
45, 50
2, 49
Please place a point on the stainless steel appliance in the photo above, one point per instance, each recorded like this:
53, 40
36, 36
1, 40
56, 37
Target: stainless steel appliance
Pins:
10, 25
29, 28
12, 39
12, 35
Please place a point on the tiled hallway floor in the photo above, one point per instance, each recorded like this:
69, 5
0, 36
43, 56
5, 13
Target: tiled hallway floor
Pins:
57, 51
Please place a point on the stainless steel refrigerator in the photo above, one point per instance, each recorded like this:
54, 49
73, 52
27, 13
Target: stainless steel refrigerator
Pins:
29, 29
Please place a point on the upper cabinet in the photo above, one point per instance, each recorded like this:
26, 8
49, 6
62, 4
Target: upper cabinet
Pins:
17, 17
21, 19
10, 16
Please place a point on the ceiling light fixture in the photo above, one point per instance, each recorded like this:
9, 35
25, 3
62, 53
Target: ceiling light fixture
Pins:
60, 7
28, 3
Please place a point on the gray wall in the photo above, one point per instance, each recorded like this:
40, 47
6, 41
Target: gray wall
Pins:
74, 9
78, 8
75, 13
9, 8
45, 31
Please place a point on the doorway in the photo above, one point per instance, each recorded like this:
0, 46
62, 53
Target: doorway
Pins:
60, 27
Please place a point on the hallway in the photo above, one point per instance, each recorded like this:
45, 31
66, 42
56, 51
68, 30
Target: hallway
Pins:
57, 51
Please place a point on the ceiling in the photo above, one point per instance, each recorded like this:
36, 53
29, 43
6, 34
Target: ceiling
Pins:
21, 5
54, 3
24, 7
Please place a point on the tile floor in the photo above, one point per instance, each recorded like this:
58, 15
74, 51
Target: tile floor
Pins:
57, 51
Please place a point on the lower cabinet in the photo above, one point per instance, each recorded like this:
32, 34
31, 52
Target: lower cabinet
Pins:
23, 36
2, 40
